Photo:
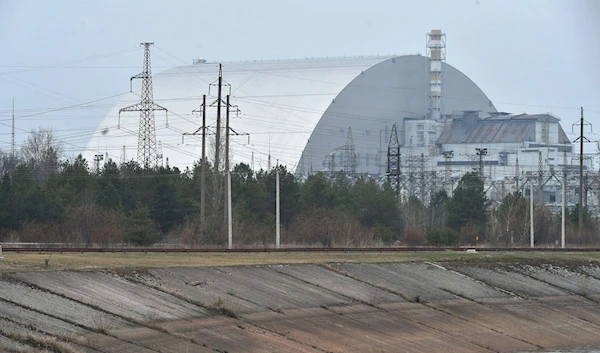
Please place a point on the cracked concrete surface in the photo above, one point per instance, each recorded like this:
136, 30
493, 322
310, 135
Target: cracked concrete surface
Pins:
386, 307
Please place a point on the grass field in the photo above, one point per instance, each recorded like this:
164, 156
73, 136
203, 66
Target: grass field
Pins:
13, 262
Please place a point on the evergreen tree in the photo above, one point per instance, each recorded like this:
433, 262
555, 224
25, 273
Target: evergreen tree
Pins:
468, 205
316, 192
141, 229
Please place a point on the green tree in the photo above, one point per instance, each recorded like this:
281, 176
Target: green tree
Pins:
468, 205
167, 208
573, 217
11, 201
109, 197
43, 205
140, 228
374, 206
316, 192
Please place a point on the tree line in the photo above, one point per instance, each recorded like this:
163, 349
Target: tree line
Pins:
45, 198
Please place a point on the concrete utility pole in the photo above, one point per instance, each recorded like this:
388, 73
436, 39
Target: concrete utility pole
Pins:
581, 140
229, 218
581, 175
277, 208
226, 208
564, 202
204, 161
218, 132
481, 152
531, 212
12, 135
203, 168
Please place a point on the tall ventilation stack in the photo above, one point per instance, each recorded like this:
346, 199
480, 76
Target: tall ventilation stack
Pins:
436, 52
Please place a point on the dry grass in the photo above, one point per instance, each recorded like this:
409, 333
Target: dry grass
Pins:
47, 343
35, 262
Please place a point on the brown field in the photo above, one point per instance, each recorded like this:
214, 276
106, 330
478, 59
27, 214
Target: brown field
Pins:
22, 262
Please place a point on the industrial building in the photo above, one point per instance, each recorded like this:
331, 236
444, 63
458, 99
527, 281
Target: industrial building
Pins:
338, 114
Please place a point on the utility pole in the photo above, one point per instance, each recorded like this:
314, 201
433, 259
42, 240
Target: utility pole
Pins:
581, 139
97, 159
581, 175
203, 168
517, 176
124, 155
147, 152
204, 161
481, 152
422, 178
12, 140
564, 202
277, 208
531, 228
448, 155
218, 133
229, 218
540, 195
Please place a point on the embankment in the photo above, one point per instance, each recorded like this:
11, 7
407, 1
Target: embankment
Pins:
335, 307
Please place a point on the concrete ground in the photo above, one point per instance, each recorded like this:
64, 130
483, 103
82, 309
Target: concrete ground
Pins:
426, 306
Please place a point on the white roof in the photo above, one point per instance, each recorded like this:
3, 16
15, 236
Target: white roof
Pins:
280, 104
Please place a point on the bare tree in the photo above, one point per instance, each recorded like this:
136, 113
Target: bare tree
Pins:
41, 152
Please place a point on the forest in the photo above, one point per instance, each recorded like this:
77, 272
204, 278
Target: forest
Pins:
45, 197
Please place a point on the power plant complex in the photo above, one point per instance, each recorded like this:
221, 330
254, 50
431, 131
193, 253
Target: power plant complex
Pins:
413, 119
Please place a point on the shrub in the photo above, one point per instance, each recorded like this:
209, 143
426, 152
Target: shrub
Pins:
141, 229
442, 237
469, 234
413, 237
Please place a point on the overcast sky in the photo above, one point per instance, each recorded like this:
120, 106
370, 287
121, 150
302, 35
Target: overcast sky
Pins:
526, 55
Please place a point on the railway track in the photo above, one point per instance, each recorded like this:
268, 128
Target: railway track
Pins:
293, 250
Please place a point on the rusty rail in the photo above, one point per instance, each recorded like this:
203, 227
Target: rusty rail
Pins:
293, 250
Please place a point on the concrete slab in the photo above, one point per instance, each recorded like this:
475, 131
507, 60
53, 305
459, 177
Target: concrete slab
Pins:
528, 321
110, 344
511, 281
428, 282
456, 327
114, 294
42, 322
58, 307
30, 335
336, 332
160, 341
203, 285
270, 289
229, 335
323, 277
563, 278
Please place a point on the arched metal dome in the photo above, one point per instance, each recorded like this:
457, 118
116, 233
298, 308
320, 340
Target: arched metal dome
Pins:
296, 111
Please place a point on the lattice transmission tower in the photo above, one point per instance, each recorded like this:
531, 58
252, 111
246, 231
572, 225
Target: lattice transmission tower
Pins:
147, 153
394, 160
349, 154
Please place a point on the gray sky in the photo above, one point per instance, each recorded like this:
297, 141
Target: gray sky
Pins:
526, 55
